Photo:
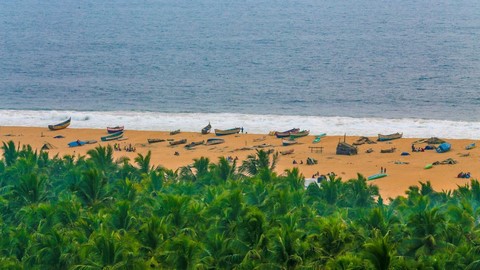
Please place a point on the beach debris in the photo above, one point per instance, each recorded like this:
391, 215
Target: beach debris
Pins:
287, 152
263, 145
182, 141
311, 161
401, 162
449, 161
369, 150
175, 132
48, 146
155, 140
363, 140
432, 140
464, 154
260, 139
391, 150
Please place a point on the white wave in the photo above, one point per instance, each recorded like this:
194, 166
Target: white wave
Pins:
260, 124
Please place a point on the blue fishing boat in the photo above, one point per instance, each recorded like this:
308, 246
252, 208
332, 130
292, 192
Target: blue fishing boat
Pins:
444, 147
76, 143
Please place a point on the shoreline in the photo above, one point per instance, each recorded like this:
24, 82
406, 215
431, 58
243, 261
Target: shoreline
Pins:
402, 171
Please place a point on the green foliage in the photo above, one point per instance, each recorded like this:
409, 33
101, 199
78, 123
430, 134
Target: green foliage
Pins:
93, 213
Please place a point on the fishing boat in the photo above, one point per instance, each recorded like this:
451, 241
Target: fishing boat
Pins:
155, 140
213, 141
286, 133
376, 176
61, 125
193, 144
344, 148
76, 143
287, 152
444, 147
389, 137
112, 137
470, 146
299, 134
115, 129
175, 132
207, 129
182, 141
220, 132
319, 137
288, 142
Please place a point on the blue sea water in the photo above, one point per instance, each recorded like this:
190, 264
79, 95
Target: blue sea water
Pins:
355, 66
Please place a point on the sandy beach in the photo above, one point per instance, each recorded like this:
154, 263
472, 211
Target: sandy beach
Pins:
403, 171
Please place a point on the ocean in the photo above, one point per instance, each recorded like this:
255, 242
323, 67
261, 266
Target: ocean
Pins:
354, 67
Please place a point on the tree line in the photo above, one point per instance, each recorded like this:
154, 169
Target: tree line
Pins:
94, 212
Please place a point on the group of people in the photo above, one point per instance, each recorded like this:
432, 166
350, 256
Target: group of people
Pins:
322, 177
310, 161
128, 148
414, 149
231, 159
383, 170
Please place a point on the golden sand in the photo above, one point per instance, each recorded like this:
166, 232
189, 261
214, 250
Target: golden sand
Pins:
403, 171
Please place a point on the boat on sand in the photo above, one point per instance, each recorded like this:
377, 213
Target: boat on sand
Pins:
213, 141
115, 129
112, 137
220, 132
61, 125
207, 129
389, 137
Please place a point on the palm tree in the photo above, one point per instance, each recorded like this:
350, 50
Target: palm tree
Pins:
379, 252
10, 153
102, 157
223, 170
144, 162
31, 189
92, 189
260, 161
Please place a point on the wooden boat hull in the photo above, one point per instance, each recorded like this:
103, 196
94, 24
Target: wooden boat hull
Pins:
193, 144
206, 129
287, 152
61, 125
116, 129
299, 134
155, 140
470, 146
219, 132
288, 142
382, 138
213, 141
178, 142
287, 133
377, 176
175, 132
112, 137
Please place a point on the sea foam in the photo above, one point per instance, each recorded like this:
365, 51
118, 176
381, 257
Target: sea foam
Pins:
259, 124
